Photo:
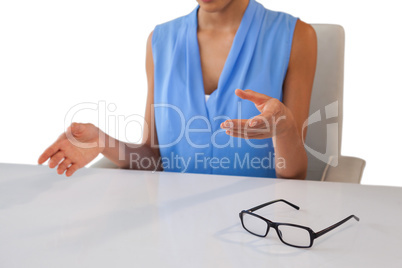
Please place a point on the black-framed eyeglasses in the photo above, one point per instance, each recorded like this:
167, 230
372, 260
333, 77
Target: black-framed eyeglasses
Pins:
290, 234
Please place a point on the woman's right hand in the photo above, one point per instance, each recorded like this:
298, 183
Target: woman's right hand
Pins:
74, 149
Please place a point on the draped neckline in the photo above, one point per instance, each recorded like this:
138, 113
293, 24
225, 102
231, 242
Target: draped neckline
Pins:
195, 75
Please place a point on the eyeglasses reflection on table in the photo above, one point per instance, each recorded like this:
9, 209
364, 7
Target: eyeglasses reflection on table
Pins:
290, 234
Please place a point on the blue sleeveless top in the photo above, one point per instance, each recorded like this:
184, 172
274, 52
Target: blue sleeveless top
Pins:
188, 127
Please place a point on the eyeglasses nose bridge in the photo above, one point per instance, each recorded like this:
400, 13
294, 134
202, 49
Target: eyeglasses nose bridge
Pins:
279, 232
275, 226
271, 225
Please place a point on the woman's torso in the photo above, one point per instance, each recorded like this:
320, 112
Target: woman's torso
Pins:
189, 64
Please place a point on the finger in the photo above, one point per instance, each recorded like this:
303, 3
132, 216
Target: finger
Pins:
260, 121
253, 96
271, 111
63, 166
234, 123
54, 148
73, 168
249, 132
246, 135
56, 159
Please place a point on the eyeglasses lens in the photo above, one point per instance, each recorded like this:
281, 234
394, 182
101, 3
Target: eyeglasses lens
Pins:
254, 224
294, 235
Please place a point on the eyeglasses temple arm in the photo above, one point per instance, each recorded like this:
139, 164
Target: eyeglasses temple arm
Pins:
326, 230
272, 202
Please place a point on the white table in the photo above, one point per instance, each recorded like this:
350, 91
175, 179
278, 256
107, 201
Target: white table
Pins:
123, 218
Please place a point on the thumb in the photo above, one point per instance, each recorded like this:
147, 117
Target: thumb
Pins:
253, 96
77, 129
82, 135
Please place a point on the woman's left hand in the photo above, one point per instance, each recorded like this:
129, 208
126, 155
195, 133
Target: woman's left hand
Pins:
275, 118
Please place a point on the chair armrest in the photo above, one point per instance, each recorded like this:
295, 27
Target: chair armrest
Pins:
104, 163
349, 169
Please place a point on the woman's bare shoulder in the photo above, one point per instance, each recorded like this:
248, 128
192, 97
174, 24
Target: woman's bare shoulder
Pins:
304, 33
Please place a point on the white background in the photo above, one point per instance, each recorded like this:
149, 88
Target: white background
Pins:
56, 54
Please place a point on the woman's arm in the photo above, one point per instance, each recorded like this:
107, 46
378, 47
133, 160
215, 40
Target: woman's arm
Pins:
283, 121
81, 143
297, 89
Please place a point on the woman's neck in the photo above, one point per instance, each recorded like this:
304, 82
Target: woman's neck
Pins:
223, 18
